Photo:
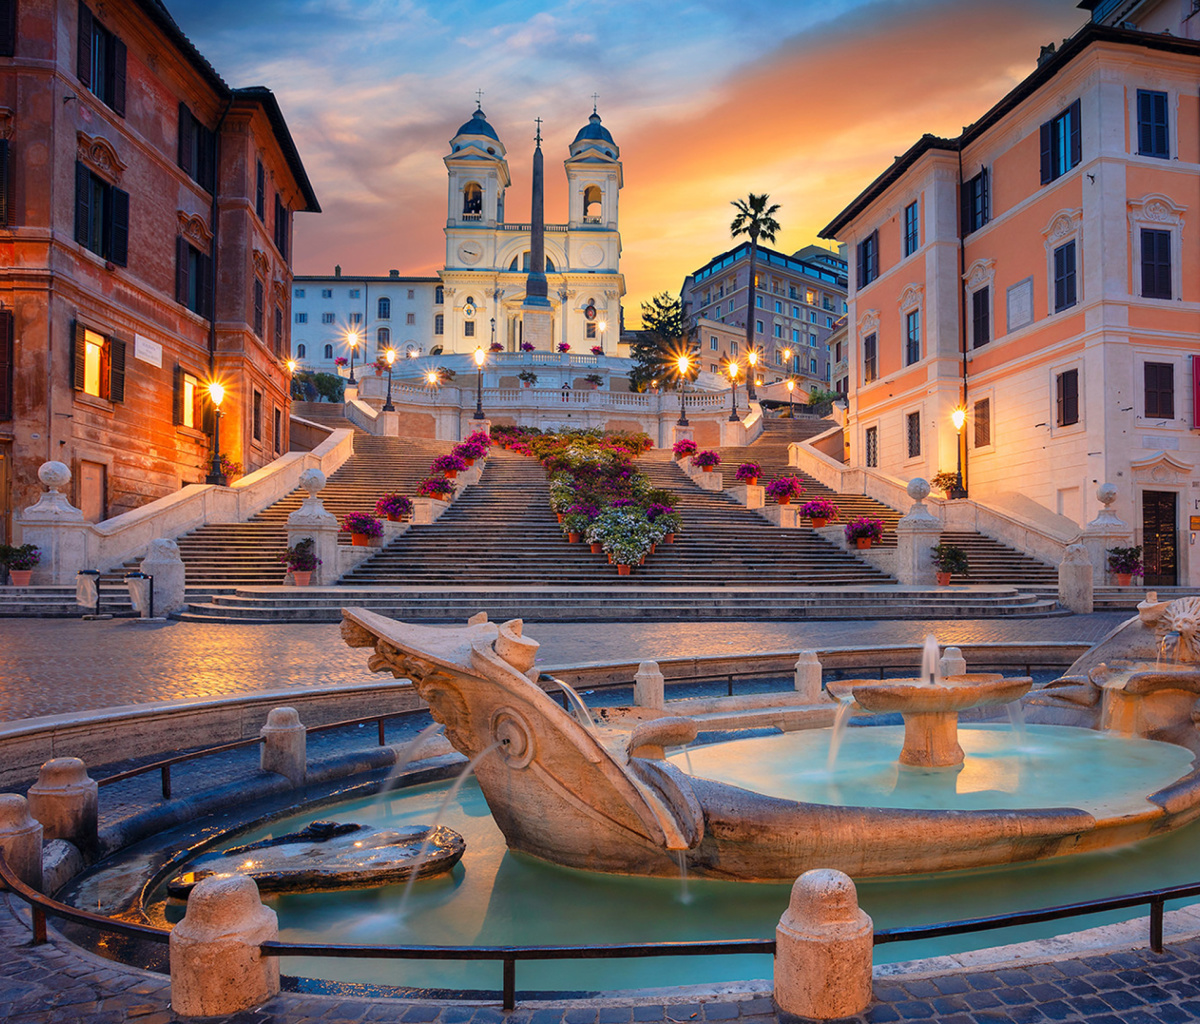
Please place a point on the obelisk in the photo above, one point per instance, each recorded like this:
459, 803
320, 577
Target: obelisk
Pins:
536, 312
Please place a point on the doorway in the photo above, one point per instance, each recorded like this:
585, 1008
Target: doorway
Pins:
93, 491
1160, 551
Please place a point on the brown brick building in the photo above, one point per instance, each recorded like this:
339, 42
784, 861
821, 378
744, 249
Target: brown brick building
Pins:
145, 243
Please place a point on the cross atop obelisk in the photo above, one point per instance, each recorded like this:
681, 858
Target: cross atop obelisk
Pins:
536, 310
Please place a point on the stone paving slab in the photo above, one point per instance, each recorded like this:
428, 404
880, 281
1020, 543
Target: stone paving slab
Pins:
57, 666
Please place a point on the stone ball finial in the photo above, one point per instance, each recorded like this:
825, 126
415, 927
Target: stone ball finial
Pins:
14, 813
313, 481
824, 896
918, 488
1107, 494
54, 475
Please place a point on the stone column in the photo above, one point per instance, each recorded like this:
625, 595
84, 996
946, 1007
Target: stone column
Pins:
808, 677
311, 520
648, 686
216, 966
170, 576
916, 534
1106, 531
679, 433
64, 800
952, 663
823, 949
1076, 580
21, 839
57, 528
284, 748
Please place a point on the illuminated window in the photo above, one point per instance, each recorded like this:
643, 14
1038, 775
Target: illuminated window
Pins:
98, 364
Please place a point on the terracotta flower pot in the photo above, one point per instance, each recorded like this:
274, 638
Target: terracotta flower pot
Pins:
597, 548
360, 540
572, 538
642, 560
20, 577
653, 548
1124, 579
785, 499
469, 462
610, 561
560, 516
301, 578
393, 518
863, 543
669, 538
622, 570
751, 481
818, 522
943, 579
451, 474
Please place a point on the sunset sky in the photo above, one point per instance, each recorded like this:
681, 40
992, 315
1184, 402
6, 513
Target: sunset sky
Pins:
807, 100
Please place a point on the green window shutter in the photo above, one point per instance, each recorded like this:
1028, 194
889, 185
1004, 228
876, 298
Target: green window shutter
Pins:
78, 357
177, 397
116, 68
116, 365
83, 204
83, 47
118, 244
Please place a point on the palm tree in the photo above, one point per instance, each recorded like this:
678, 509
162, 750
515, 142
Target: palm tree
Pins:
755, 220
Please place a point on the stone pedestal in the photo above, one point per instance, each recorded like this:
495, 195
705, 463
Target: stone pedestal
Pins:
952, 663
57, 529
823, 949
537, 327
1106, 531
1076, 580
679, 433
786, 516
808, 677
311, 520
709, 480
284, 748
64, 800
750, 495
216, 966
21, 839
648, 686
170, 576
916, 534
931, 740
428, 510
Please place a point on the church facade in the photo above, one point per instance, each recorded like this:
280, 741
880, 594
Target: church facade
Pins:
488, 259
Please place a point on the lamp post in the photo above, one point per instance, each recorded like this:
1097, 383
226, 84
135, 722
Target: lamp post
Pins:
791, 386
732, 370
216, 393
959, 416
352, 341
682, 363
603, 326
390, 356
752, 359
479, 358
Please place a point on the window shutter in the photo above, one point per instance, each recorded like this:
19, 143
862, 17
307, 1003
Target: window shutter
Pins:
177, 396
983, 423
208, 418
83, 203
79, 357
8, 27
116, 370
118, 249
1076, 141
985, 197
258, 307
83, 47
5, 184
1162, 143
206, 287
260, 191
1162, 264
964, 208
1145, 115
116, 58
182, 284
873, 256
1045, 147
186, 137
207, 141
6, 364
860, 268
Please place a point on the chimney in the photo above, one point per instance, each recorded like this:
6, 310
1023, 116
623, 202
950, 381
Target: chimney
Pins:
393, 273
1046, 54
337, 270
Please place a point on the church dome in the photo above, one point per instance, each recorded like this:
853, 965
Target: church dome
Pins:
594, 131
478, 125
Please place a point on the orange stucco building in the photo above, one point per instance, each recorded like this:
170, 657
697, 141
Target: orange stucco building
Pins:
145, 249
1043, 270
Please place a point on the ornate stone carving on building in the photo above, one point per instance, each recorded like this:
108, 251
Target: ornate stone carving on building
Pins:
1061, 224
1155, 209
1162, 468
912, 297
261, 263
193, 228
868, 323
97, 153
979, 274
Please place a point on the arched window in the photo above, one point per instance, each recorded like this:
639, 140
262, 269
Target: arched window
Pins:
472, 201
439, 295
525, 262
411, 350
385, 309
383, 337
591, 204
439, 324
549, 265
328, 351
301, 351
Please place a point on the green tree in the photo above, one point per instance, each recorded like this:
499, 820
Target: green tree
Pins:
664, 337
755, 220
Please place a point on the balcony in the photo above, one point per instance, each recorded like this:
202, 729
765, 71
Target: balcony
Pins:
472, 216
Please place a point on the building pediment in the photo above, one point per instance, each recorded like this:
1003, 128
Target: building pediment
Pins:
98, 153
1161, 467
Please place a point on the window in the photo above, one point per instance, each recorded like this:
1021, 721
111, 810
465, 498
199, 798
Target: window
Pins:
868, 260
778, 307
356, 293
1067, 398
975, 196
812, 368
327, 293
981, 317
301, 318
872, 447
912, 337
912, 230
384, 311
731, 305
277, 434
439, 295
327, 318
6, 364
8, 32
355, 318
257, 421
912, 431
328, 351
411, 294
1060, 145
383, 337
796, 312
98, 364
301, 351
829, 322
758, 302
439, 324
189, 408
870, 364
983, 423
712, 367
758, 326
1064, 276
278, 339
779, 330
197, 150
733, 348
100, 61
1160, 390
101, 216
259, 311
282, 216
472, 201
469, 329
713, 344
795, 336
298, 293
1156, 264
591, 330
260, 198
410, 319
1152, 124
812, 317
193, 278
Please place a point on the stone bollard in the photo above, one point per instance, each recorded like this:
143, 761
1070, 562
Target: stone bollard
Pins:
952, 663
284, 748
648, 688
216, 966
21, 839
823, 949
170, 577
808, 677
64, 800
1076, 580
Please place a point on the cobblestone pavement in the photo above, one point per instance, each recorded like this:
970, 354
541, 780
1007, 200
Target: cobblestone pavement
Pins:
55, 666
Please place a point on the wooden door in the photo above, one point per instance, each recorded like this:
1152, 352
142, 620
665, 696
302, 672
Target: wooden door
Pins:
93, 491
1160, 538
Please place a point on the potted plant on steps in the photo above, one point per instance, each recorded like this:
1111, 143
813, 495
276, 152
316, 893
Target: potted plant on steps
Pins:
448, 465
1125, 563
949, 560
820, 511
527, 377
577, 519
301, 561
395, 507
435, 487
785, 489
862, 531
684, 447
362, 528
748, 473
20, 562
707, 460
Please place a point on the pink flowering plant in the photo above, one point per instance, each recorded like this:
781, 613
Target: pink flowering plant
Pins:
748, 471
495, 347
340, 361
564, 347
448, 464
435, 487
301, 557
785, 487
707, 460
597, 350
819, 508
864, 528
361, 523
526, 346
684, 446
394, 505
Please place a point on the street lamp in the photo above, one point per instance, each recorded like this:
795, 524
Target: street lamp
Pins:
752, 359
732, 370
959, 416
791, 386
352, 341
216, 393
603, 327
390, 356
291, 365
479, 358
682, 363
